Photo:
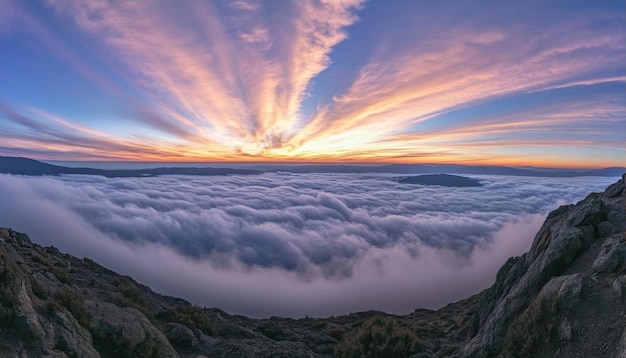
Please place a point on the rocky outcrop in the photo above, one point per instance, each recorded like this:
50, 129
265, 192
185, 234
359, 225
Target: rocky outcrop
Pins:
575, 258
565, 297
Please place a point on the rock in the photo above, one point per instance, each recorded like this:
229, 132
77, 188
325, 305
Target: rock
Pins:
125, 329
612, 255
621, 346
565, 331
588, 234
180, 335
254, 348
26, 318
616, 189
606, 229
619, 286
70, 337
566, 235
591, 212
570, 290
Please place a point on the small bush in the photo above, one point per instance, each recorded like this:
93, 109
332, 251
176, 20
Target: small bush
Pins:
533, 327
380, 337
131, 297
40, 260
112, 345
37, 289
320, 323
335, 332
74, 302
191, 316
60, 274
9, 280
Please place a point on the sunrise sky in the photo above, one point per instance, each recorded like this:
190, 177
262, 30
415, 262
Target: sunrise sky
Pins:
497, 82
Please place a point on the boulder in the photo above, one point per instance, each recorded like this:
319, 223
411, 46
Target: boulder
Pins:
612, 255
619, 286
69, 336
126, 330
570, 289
606, 229
180, 335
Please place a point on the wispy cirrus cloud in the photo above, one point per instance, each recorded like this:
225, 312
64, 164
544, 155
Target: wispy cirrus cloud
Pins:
325, 80
231, 85
461, 68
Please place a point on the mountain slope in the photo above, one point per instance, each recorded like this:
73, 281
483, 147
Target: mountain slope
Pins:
564, 298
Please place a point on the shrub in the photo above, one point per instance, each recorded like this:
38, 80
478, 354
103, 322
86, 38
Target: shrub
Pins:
37, 289
112, 345
60, 274
191, 316
74, 302
335, 332
533, 327
131, 296
9, 287
39, 259
380, 337
319, 323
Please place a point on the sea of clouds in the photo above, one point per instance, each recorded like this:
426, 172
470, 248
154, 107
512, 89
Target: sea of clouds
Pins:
292, 244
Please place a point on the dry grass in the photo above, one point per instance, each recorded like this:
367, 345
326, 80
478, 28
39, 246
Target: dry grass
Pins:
37, 289
380, 337
191, 316
74, 302
60, 274
533, 328
10, 276
131, 297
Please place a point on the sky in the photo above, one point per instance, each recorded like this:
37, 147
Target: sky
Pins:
538, 83
288, 244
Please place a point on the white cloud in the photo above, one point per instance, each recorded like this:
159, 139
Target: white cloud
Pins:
288, 244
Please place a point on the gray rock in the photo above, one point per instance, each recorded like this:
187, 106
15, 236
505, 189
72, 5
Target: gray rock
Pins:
615, 190
564, 236
588, 234
126, 328
180, 335
606, 229
70, 337
621, 347
612, 255
565, 331
570, 289
619, 286
26, 320
591, 212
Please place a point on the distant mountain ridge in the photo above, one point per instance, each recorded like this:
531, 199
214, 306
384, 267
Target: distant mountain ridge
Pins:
26, 166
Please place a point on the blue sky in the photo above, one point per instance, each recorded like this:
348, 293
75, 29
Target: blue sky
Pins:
524, 83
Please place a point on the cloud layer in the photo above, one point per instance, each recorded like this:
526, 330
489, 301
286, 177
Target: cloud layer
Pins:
290, 244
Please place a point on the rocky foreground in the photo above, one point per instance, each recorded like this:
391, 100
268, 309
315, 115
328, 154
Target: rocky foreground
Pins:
566, 297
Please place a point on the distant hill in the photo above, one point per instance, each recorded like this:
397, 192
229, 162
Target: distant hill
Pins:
25, 166
441, 180
565, 297
438, 168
